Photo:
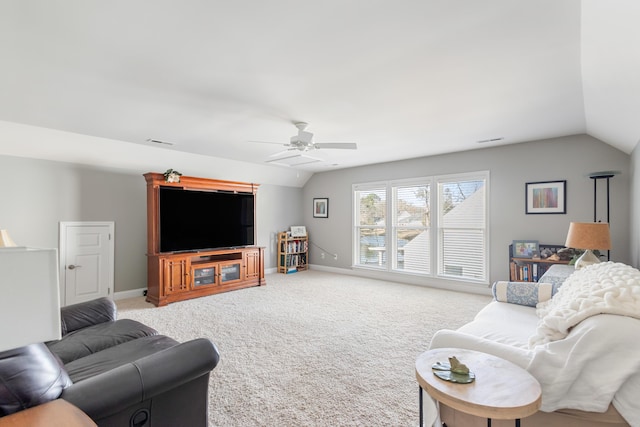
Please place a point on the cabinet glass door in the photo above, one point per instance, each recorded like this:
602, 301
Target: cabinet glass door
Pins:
204, 276
229, 272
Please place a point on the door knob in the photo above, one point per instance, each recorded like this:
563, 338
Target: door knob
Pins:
72, 267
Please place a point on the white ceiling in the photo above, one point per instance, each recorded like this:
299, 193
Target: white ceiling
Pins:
402, 79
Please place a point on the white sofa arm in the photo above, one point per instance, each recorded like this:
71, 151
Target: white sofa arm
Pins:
448, 338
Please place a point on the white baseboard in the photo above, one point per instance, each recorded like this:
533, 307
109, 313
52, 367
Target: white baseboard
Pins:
133, 293
450, 285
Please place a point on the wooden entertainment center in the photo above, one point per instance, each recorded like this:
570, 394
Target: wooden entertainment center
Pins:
178, 276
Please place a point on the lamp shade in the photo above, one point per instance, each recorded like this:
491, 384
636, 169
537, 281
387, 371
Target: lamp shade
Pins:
29, 297
588, 235
5, 240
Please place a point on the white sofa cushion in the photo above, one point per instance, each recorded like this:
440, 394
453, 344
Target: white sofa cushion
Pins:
505, 323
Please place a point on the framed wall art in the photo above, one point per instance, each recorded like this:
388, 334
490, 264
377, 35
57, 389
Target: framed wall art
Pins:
321, 208
548, 197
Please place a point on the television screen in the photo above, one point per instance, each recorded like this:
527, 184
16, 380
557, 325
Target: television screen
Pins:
197, 220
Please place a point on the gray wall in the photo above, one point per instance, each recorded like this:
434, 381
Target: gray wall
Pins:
510, 166
37, 194
42, 193
277, 210
635, 207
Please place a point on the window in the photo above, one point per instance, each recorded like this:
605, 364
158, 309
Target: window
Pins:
403, 236
371, 225
411, 227
462, 242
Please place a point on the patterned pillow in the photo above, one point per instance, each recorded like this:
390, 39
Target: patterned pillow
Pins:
522, 293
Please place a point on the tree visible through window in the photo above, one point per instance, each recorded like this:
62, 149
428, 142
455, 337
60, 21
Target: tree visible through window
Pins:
371, 226
411, 227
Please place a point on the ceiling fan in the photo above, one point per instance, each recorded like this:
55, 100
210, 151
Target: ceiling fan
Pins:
303, 141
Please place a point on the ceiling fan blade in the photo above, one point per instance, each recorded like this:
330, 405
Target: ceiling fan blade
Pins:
269, 142
338, 145
282, 152
296, 159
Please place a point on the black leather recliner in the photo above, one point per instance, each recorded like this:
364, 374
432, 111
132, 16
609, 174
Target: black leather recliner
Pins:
119, 372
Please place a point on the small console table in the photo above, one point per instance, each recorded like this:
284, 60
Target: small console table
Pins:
501, 390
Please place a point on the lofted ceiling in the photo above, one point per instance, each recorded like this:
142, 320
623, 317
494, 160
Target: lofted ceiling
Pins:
400, 79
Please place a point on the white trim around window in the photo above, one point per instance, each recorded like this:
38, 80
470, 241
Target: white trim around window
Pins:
428, 227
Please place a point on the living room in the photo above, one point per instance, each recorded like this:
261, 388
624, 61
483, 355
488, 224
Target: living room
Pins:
56, 173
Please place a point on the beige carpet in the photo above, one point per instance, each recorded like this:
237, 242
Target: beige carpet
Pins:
313, 348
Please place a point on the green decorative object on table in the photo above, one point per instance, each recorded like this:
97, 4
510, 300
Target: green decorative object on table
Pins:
454, 371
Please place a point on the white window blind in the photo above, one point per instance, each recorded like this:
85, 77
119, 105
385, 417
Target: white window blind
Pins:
462, 227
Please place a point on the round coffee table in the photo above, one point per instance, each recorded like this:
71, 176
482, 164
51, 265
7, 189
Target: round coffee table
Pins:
501, 390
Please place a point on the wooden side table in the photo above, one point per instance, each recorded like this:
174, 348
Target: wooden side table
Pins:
501, 390
57, 413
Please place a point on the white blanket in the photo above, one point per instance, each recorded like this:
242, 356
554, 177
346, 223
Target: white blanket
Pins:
605, 288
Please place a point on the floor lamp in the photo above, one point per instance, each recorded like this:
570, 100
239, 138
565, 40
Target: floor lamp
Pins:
596, 176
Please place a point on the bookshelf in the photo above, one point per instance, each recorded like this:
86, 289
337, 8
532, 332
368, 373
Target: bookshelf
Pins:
292, 253
531, 269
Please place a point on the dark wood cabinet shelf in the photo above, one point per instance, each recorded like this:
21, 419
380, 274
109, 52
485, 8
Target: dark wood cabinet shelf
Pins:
531, 269
179, 276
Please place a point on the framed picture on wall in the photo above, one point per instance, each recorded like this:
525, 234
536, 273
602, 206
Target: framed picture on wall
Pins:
548, 197
321, 208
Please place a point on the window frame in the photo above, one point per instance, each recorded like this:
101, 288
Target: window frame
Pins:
390, 266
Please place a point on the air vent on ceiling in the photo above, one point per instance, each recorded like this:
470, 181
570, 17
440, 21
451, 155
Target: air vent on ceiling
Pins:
157, 141
484, 141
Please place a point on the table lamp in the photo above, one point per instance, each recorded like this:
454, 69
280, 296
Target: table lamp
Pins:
588, 236
29, 296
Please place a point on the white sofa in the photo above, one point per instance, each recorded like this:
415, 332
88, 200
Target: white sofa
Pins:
582, 345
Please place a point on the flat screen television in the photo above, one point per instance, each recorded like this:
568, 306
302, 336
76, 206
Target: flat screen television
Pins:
193, 220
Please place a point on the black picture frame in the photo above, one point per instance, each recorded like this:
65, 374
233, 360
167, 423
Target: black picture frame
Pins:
321, 207
525, 249
546, 197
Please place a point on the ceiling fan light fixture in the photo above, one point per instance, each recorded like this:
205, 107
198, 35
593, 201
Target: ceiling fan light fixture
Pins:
302, 139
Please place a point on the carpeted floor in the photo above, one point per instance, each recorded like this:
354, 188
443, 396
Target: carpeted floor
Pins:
313, 348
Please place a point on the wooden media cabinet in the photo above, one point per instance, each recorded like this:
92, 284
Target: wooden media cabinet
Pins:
178, 276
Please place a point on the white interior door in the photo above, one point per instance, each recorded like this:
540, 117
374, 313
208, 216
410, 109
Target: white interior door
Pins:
86, 261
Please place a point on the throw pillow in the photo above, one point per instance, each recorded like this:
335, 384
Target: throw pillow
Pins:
522, 293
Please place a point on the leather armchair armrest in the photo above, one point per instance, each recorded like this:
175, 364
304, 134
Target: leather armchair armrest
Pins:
84, 314
113, 391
